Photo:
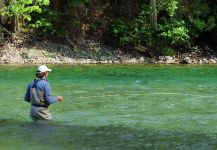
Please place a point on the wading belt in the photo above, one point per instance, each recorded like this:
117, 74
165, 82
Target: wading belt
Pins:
40, 105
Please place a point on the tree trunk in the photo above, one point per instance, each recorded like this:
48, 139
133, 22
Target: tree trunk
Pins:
129, 8
15, 24
153, 15
3, 18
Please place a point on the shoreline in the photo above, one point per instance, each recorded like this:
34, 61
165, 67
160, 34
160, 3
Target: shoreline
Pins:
59, 54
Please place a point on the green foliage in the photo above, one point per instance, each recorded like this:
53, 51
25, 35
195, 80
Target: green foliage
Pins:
167, 51
93, 26
179, 23
25, 7
174, 29
122, 31
174, 32
201, 18
169, 5
45, 20
139, 31
28, 9
42, 23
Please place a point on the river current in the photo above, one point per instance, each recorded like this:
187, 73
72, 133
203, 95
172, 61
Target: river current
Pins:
113, 107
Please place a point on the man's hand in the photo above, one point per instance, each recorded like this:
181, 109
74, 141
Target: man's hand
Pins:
60, 98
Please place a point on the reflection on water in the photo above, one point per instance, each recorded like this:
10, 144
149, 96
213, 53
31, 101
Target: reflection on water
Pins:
114, 108
22, 135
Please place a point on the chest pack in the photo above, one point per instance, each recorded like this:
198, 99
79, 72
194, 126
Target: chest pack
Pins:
37, 95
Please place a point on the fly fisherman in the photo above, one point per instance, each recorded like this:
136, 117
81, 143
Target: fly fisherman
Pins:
38, 93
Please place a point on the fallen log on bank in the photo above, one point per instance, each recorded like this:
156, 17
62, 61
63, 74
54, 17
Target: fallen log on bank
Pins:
144, 49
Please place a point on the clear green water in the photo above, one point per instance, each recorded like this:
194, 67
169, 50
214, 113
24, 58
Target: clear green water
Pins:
108, 107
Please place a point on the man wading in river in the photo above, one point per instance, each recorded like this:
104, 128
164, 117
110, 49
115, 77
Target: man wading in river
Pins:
38, 93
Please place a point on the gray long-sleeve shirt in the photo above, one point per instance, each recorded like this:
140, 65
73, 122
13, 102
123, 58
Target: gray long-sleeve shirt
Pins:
44, 86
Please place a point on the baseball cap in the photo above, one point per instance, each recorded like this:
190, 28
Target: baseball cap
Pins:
43, 68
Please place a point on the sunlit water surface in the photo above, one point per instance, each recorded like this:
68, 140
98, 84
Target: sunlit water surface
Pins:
107, 107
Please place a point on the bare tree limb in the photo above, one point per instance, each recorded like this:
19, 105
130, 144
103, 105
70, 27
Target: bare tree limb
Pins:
4, 29
8, 32
70, 42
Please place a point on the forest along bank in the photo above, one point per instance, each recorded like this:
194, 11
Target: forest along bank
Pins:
134, 31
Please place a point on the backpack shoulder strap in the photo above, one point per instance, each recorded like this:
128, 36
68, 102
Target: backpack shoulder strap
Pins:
35, 82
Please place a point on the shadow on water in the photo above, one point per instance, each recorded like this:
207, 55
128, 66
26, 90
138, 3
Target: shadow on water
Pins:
21, 135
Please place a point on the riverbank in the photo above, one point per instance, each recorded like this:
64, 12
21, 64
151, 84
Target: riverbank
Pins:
90, 52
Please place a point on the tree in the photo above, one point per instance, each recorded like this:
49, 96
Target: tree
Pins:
153, 13
3, 18
23, 10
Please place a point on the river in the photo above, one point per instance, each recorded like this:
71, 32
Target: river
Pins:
114, 107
